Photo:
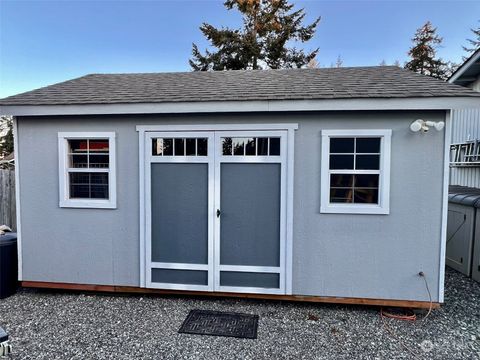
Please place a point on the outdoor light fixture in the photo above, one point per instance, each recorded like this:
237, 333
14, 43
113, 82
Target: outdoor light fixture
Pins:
423, 125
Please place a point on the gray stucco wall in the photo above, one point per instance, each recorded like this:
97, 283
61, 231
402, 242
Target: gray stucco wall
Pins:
369, 256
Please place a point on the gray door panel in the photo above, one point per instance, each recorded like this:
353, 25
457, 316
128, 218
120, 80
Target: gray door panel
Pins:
250, 214
179, 212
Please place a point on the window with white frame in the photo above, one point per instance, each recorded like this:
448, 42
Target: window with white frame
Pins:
87, 169
355, 171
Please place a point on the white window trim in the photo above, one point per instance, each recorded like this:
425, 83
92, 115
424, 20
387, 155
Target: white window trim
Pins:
64, 200
383, 206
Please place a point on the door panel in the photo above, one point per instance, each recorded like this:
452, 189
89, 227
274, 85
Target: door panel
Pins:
175, 276
250, 208
249, 279
250, 193
180, 213
179, 175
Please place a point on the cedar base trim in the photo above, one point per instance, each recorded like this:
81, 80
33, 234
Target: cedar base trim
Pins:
300, 298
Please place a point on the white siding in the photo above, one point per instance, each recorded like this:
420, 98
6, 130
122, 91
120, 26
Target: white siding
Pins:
466, 126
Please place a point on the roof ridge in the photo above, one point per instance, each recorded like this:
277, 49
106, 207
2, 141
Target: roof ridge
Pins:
246, 70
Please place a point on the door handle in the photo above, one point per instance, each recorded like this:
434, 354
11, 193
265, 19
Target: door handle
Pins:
218, 213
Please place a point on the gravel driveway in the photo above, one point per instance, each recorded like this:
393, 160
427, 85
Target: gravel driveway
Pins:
47, 325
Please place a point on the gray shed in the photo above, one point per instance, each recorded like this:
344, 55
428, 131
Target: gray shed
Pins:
303, 184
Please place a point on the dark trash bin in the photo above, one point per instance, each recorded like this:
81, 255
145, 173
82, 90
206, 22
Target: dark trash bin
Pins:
8, 265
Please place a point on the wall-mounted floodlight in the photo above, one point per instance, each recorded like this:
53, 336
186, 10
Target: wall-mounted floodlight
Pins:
424, 126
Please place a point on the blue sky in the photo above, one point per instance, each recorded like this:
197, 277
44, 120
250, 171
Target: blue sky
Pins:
43, 42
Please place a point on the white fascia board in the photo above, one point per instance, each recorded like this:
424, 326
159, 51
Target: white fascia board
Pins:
465, 67
430, 103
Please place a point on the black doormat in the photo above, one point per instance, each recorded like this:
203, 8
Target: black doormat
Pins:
218, 323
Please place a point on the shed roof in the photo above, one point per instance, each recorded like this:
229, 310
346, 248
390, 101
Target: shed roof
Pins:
241, 85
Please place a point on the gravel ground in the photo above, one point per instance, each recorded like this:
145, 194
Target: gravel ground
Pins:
49, 325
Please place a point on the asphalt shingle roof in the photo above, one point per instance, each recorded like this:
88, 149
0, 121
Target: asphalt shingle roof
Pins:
291, 84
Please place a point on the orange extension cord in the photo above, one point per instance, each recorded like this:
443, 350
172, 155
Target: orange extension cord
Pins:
391, 313
408, 315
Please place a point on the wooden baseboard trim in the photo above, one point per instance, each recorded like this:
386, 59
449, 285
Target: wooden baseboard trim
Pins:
300, 298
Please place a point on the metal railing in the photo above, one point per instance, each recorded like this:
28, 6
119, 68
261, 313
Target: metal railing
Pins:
466, 154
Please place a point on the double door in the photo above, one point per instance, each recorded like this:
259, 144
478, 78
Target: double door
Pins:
215, 211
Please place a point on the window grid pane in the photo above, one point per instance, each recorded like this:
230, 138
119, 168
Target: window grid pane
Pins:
85, 185
358, 188
341, 159
251, 146
88, 154
354, 164
191, 147
179, 146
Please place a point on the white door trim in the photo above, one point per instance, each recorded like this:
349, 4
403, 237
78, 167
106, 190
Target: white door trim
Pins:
218, 127
288, 177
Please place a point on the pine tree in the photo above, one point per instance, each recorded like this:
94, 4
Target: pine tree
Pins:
268, 25
339, 62
450, 68
313, 64
474, 43
423, 53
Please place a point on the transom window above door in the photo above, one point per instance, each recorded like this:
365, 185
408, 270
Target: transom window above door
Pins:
251, 146
355, 171
180, 146
87, 170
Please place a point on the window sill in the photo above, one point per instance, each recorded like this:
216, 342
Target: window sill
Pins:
88, 204
354, 209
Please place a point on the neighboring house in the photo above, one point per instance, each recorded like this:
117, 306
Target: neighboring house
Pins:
468, 74
463, 240
304, 184
465, 171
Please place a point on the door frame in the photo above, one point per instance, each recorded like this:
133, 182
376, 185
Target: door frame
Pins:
144, 153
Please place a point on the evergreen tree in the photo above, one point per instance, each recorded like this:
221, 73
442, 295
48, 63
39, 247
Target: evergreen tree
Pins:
313, 64
474, 43
339, 62
6, 141
450, 68
423, 53
268, 26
